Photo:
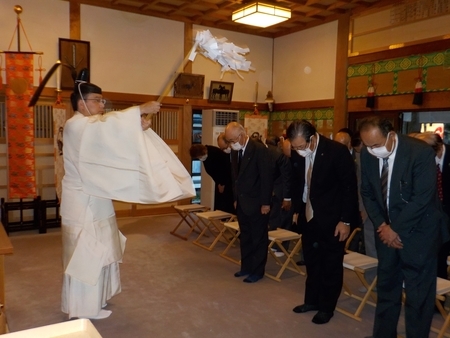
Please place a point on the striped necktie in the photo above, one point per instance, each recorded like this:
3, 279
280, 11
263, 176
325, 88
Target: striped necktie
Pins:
309, 212
384, 181
439, 182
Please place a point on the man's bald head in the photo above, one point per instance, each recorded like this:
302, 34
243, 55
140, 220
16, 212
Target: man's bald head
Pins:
221, 142
344, 138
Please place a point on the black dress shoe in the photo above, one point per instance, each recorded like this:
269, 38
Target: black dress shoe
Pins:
252, 279
241, 274
322, 317
305, 308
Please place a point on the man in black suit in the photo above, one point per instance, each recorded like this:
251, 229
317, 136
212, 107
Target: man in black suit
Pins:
217, 165
344, 136
399, 192
328, 189
442, 158
280, 215
252, 188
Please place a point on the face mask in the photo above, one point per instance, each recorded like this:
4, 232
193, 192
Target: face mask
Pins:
305, 153
204, 157
236, 145
227, 151
381, 152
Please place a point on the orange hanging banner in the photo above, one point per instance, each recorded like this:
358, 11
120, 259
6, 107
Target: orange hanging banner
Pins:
20, 125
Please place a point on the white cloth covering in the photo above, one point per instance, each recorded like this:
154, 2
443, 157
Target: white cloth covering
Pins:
108, 157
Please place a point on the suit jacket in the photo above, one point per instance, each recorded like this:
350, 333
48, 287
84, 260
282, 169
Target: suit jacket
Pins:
218, 166
333, 192
446, 180
282, 172
414, 206
252, 183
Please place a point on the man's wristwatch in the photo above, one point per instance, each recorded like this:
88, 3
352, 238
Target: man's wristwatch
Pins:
348, 224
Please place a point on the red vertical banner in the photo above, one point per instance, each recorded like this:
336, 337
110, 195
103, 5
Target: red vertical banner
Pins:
20, 125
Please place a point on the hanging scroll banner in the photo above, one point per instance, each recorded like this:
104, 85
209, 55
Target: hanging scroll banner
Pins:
20, 125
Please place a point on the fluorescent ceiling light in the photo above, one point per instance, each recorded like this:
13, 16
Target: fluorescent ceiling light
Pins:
261, 15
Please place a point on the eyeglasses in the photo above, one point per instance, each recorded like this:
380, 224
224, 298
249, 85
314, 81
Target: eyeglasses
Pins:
97, 100
236, 140
302, 147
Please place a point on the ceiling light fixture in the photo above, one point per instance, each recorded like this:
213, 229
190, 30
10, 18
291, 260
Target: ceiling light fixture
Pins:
261, 15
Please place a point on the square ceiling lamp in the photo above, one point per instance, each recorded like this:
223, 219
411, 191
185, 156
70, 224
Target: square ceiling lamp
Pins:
261, 15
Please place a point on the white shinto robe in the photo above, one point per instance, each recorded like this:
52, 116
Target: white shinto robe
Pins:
108, 157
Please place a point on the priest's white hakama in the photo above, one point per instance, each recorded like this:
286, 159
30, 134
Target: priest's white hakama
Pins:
108, 157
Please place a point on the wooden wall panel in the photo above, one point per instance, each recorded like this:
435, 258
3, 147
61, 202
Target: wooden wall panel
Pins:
438, 78
357, 86
407, 80
384, 83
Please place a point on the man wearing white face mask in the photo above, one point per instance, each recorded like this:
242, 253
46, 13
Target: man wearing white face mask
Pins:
399, 193
222, 144
252, 189
327, 184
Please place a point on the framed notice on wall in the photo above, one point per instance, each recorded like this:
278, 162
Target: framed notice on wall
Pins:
74, 56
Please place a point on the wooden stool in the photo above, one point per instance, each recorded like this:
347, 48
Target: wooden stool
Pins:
359, 264
187, 213
212, 221
233, 228
442, 288
278, 237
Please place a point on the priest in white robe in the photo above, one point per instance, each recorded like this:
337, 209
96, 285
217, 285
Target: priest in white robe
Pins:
107, 156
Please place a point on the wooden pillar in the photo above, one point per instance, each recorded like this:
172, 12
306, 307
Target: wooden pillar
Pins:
340, 85
188, 43
75, 20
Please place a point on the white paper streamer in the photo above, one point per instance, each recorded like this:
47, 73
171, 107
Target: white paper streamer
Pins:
227, 54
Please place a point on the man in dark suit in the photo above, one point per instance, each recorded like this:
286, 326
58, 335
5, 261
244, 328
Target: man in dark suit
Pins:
399, 192
217, 165
280, 215
344, 136
328, 189
252, 188
442, 158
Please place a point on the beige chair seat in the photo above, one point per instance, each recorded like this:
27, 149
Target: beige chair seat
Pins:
187, 214
212, 222
276, 238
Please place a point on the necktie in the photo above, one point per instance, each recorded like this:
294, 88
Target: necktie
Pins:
439, 182
309, 212
239, 159
384, 181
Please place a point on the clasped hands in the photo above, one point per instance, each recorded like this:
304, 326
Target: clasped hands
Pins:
151, 107
389, 236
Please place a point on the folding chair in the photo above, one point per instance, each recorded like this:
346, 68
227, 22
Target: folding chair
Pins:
212, 222
277, 237
233, 229
359, 264
442, 289
187, 213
